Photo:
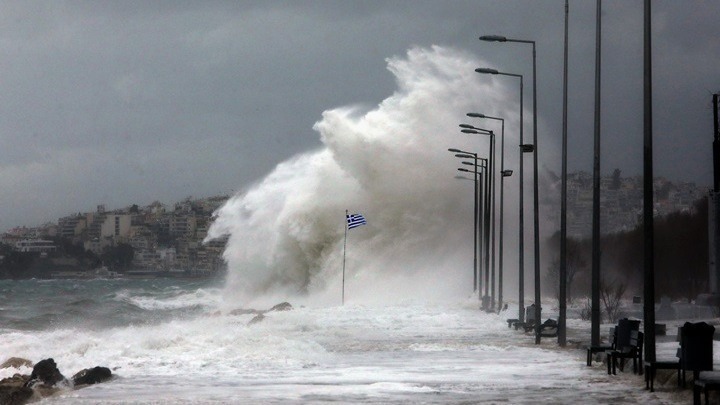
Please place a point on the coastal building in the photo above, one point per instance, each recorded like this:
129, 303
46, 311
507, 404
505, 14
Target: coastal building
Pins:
34, 246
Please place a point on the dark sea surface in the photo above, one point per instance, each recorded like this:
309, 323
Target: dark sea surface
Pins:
29, 305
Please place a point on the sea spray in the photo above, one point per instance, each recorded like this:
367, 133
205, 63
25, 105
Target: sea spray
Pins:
389, 163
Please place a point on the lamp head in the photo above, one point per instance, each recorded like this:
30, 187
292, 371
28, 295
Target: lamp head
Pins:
476, 115
487, 71
493, 38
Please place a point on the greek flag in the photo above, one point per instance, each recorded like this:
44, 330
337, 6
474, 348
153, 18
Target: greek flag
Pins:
355, 220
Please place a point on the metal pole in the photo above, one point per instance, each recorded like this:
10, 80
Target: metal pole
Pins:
502, 206
562, 334
475, 233
595, 300
521, 237
481, 198
716, 144
344, 248
488, 194
492, 223
536, 204
648, 226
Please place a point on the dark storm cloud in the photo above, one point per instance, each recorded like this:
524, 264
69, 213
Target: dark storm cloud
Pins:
130, 101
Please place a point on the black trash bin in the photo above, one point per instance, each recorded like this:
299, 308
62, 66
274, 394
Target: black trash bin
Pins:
696, 348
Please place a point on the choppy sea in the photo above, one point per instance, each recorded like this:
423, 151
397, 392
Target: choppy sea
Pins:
172, 341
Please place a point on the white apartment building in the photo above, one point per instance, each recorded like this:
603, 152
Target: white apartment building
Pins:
35, 246
116, 225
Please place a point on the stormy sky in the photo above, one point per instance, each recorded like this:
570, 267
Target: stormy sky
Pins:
127, 102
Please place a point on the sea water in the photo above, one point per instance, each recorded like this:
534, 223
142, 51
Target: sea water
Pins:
171, 341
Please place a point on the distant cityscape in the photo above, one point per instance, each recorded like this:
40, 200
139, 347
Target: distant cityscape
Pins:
161, 239
621, 201
167, 240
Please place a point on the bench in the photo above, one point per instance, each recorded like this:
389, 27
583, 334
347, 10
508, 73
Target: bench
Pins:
591, 350
652, 366
705, 382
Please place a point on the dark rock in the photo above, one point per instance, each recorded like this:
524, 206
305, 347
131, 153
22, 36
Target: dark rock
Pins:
283, 306
243, 311
258, 318
45, 372
15, 395
91, 376
17, 380
16, 362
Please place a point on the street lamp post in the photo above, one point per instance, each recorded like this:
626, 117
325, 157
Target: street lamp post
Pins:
502, 204
490, 201
475, 221
521, 236
481, 172
536, 202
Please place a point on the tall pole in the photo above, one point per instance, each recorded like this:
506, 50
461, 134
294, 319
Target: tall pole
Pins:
492, 223
472, 129
562, 334
486, 240
595, 276
648, 226
536, 203
714, 203
502, 205
716, 144
521, 221
475, 233
344, 248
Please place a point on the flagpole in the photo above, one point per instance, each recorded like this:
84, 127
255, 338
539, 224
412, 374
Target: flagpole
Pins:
344, 248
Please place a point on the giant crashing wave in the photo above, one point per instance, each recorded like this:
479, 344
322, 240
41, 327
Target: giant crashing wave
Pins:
287, 232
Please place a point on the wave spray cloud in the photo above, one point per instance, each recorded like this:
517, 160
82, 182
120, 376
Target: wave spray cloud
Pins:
389, 163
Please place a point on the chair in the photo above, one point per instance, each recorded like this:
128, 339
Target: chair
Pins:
623, 342
631, 351
591, 350
529, 323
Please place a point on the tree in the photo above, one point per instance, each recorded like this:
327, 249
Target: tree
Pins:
576, 263
611, 294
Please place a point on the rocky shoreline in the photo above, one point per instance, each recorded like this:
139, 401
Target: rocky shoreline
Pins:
44, 381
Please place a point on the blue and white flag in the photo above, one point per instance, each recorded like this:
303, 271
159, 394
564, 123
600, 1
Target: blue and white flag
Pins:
355, 220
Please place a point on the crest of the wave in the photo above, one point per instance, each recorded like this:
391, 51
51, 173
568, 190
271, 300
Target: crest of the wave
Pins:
389, 163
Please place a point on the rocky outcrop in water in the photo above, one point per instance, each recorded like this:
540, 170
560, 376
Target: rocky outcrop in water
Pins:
16, 362
44, 381
91, 376
258, 318
283, 306
46, 373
